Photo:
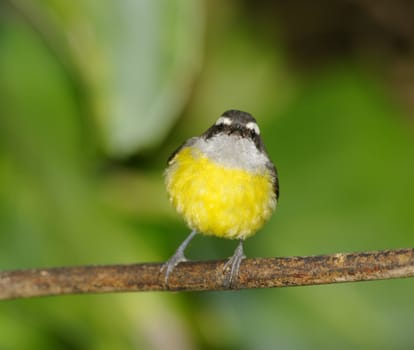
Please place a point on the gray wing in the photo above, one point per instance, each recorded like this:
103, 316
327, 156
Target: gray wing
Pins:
275, 177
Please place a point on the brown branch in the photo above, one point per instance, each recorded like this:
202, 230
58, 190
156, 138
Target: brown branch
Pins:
208, 275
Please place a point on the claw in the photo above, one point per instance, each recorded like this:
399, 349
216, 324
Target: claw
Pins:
177, 258
171, 263
234, 265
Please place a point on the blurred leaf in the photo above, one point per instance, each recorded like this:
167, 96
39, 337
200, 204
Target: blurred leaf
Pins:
137, 58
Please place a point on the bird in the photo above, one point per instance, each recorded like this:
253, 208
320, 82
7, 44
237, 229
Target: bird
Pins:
223, 184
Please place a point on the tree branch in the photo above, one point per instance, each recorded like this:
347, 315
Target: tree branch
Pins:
208, 275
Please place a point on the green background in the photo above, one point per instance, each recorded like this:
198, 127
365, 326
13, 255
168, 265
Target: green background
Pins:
95, 95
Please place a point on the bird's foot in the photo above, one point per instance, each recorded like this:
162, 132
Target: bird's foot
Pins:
234, 265
168, 267
177, 258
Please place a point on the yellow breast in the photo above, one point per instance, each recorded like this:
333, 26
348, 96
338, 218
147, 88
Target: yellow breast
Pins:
217, 200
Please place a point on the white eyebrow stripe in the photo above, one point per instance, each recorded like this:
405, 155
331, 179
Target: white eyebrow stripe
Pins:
223, 120
253, 126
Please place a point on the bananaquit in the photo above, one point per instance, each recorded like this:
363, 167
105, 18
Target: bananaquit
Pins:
223, 184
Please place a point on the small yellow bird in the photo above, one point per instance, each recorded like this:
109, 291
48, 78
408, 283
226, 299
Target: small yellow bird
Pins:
223, 184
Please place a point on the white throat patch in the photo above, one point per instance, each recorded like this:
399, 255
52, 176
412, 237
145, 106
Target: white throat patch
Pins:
233, 151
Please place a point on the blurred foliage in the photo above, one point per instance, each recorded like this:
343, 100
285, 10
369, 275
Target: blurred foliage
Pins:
84, 85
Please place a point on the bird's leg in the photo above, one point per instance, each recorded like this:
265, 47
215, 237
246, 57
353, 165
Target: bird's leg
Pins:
234, 264
178, 257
